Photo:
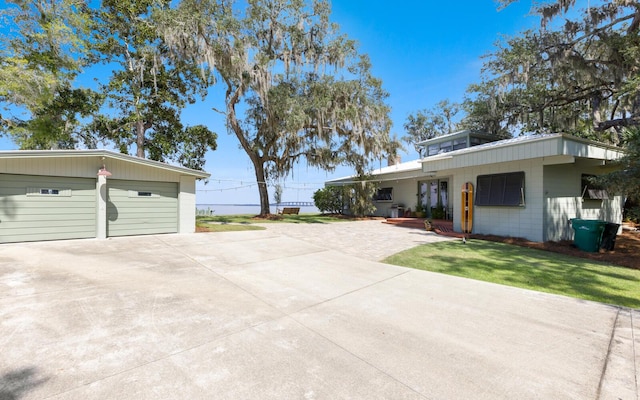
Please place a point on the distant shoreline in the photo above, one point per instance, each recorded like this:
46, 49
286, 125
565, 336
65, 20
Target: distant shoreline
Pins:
241, 205
231, 209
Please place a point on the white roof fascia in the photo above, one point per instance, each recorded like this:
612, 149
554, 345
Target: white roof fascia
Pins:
397, 172
405, 167
101, 153
422, 142
522, 141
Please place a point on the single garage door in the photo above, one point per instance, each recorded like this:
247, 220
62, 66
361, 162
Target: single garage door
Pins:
141, 207
34, 208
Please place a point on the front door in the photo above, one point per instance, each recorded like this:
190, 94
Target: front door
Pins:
434, 197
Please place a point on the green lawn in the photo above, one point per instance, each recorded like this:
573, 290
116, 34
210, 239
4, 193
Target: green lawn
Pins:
246, 222
249, 219
229, 227
526, 268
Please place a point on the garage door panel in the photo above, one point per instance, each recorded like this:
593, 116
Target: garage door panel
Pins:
139, 207
21, 219
67, 212
61, 227
44, 235
28, 215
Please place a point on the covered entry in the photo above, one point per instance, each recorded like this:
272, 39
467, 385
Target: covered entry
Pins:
434, 198
141, 207
36, 207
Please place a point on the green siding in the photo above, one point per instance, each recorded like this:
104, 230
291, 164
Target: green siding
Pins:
23, 218
128, 214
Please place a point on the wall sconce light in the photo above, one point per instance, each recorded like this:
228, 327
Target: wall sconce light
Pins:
103, 171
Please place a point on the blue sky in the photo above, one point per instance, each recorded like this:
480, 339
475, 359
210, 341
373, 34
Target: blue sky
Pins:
423, 50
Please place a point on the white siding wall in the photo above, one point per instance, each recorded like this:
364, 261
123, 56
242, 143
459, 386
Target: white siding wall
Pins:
493, 155
523, 222
561, 192
404, 194
187, 205
86, 167
516, 151
563, 201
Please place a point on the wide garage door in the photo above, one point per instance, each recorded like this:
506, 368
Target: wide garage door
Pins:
141, 207
36, 208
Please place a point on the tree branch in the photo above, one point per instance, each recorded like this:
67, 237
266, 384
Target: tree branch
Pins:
620, 122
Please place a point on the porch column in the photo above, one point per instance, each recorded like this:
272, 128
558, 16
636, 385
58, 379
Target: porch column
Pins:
101, 189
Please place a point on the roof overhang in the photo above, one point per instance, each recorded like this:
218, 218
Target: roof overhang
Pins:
105, 154
405, 170
551, 149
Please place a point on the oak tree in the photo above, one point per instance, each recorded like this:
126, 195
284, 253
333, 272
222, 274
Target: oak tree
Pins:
578, 75
146, 90
43, 48
296, 90
429, 123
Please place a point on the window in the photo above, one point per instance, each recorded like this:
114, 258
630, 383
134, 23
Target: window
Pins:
592, 191
433, 149
384, 194
48, 192
460, 143
446, 147
500, 189
142, 193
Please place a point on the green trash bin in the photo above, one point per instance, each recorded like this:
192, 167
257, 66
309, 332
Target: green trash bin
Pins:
588, 234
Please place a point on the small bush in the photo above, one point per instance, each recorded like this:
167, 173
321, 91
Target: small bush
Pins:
329, 199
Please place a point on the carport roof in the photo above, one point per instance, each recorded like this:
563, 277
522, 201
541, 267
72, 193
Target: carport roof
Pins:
107, 154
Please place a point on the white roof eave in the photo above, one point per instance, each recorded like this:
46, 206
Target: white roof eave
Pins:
517, 141
101, 153
405, 167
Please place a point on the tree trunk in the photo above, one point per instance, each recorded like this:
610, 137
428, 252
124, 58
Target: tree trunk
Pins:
140, 138
595, 110
265, 209
233, 97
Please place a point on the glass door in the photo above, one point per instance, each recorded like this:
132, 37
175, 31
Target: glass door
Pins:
434, 198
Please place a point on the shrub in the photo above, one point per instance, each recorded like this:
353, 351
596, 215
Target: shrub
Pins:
329, 199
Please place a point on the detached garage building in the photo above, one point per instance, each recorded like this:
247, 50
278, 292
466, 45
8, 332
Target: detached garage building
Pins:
75, 194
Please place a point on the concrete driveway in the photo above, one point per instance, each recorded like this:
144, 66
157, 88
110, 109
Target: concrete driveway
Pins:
268, 315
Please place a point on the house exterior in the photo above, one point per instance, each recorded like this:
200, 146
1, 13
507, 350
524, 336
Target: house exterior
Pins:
74, 194
529, 186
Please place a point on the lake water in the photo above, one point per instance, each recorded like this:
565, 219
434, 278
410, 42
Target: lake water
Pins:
232, 209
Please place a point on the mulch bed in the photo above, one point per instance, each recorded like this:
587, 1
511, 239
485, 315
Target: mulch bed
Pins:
626, 252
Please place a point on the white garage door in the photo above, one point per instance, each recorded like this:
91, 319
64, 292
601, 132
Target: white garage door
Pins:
141, 207
34, 208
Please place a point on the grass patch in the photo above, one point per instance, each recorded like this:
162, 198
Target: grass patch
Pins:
206, 227
309, 218
527, 268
